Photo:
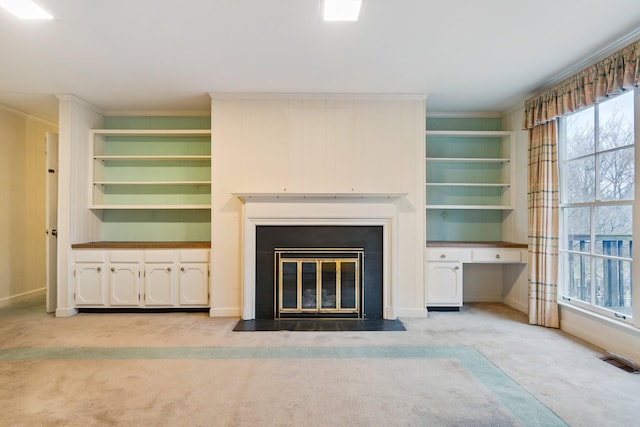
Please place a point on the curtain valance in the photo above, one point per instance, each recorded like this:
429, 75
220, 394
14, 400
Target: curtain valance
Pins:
616, 73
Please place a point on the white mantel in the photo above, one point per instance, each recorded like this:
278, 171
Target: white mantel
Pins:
305, 209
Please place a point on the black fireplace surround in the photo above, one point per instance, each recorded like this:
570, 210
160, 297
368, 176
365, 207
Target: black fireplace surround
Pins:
269, 237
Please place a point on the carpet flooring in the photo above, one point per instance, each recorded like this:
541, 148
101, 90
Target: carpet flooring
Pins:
482, 366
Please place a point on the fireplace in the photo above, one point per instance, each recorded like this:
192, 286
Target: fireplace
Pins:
319, 282
318, 271
329, 229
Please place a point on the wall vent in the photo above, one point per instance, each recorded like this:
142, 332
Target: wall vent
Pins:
621, 362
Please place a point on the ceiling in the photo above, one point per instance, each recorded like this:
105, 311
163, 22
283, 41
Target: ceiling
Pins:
467, 55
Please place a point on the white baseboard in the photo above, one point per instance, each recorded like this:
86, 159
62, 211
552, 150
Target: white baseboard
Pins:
66, 312
601, 332
411, 312
518, 305
21, 297
225, 312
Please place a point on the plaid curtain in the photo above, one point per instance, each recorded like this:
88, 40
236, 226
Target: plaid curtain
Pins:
543, 225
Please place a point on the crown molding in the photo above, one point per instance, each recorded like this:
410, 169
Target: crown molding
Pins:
69, 97
319, 96
26, 116
466, 115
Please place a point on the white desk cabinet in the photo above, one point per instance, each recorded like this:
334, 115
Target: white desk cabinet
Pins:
444, 266
444, 283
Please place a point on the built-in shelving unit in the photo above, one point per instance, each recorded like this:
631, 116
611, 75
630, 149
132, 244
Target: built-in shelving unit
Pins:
150, 169
469, 178
469, 170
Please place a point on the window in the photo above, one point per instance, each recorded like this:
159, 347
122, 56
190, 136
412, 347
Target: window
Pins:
596, 149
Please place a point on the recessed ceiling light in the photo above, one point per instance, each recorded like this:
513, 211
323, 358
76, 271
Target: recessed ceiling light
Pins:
25, 9
341, 10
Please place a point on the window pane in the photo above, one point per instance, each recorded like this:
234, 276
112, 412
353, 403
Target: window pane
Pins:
328, 284
613, 230
290, 285
348, 282
578, 229
616, 175
616, 122
580, 177
580, 131
579, 277
613, 290
309, 285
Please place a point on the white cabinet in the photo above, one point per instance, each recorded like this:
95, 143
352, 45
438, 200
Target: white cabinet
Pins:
124, 284
141, 278
90, 283
89, 277
194, 280
444, 284
160, 284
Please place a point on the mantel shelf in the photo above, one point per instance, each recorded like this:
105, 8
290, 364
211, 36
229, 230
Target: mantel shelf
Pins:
275, 197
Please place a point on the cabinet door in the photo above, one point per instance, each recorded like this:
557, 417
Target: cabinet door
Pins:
194, 284
160, 284
444, 284
124, 280
89, 283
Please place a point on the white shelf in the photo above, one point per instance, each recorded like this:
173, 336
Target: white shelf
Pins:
465, 184
469, 133
153, 158
152, 132
471, 207
467, 160
152, 183
154, 207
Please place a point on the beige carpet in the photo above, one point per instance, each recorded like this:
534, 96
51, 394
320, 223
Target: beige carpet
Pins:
483, 366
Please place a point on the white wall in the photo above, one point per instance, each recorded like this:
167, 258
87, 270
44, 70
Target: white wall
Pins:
312, 144
515, 292
22, 215
76, 223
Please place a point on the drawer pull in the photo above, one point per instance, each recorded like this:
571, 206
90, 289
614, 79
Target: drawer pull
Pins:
113, 269
99, 269
497, 256
443, 256
456, 267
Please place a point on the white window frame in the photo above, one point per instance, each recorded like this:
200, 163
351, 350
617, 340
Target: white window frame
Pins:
563, 298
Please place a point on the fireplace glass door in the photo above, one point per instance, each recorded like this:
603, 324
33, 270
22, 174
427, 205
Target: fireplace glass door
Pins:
317, 282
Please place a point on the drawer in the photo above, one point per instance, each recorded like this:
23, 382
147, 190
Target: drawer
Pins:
497, 255
125, 256
88, 255
447, 254
193, 256
160, 256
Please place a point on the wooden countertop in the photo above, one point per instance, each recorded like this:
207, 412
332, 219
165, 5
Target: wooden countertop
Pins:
142, 245
485, 244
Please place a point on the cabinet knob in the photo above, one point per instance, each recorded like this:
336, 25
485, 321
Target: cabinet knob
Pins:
169, 269
99, 269
497, 256
456, 268
181, 268
113, 269
443, 256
